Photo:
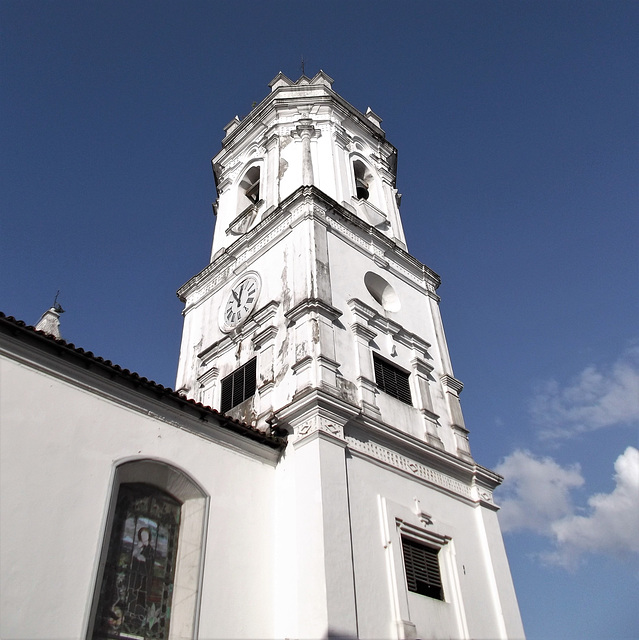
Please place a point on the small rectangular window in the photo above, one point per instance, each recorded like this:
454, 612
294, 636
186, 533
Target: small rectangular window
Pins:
422, 569
239, 385
392, 380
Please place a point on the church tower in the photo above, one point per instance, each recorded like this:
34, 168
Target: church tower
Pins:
312, 319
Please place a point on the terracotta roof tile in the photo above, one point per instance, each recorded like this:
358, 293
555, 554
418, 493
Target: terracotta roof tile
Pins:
19, 329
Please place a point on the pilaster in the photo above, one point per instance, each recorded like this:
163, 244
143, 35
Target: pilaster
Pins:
316, 458
422, 372
315, 360
453, 388
363, 360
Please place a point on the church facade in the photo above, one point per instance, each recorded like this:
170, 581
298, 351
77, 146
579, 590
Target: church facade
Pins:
311, 476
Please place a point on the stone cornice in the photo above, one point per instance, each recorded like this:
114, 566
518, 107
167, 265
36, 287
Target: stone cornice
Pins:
362, 331
452, 383
277, 223
267, 334
421, 366
316, 410
421, 460
312, 305
304, 91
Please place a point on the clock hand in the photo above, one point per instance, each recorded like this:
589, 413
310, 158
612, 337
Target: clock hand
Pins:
237, 299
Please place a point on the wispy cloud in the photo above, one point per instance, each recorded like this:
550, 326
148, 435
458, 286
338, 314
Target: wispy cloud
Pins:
537, 498
597, 398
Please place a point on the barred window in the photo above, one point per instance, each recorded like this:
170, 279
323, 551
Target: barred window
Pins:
392, 380
422, 569
239, 385
135, 597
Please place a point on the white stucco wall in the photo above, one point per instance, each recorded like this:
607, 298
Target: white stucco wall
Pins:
60, 446
478, 601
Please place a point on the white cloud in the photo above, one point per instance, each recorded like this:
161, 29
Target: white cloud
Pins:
613, 523
536, 492
597, 398
537, 498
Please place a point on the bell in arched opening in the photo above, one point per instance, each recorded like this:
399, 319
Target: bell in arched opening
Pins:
361, 181
361, 189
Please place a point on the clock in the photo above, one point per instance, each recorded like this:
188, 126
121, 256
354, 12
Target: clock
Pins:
240, 302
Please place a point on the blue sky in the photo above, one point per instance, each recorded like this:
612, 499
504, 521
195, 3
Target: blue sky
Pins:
516, 125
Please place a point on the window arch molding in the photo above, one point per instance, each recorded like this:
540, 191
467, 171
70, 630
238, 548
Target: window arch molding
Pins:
194, 501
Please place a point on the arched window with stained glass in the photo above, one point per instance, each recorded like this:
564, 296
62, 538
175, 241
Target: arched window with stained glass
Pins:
138, 579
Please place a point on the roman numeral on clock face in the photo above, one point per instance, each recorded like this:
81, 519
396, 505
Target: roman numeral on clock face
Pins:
240, 302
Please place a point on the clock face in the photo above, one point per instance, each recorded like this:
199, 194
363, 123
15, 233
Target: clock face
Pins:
240, 302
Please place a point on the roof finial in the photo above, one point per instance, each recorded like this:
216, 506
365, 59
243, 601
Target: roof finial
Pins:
50, 321
303, 63
56, 305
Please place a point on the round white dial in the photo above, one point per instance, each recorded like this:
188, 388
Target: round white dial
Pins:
240, 302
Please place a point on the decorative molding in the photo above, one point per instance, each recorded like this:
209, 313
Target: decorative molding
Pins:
485, 496
362, 331
208, 376
408, 465
279, 222
302, 364
232, 258
360, 309
425, 518
320, 423
422, 367
342, 138
266, 313
421, 276
413, 341
387, 326
374, 216
244, 221
312, 305
368, 384
267, 334
418, 533
452, 384
380, 261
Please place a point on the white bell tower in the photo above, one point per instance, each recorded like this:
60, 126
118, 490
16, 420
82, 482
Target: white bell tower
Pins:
313, 318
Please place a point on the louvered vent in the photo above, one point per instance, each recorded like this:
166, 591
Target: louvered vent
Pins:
422, 569
392, 380
239, 385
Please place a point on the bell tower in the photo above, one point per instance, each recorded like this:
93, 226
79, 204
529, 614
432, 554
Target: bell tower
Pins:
312, 318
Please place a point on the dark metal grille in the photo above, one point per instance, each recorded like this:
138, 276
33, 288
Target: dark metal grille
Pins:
392, 380
422, 569
239, 385
137, 586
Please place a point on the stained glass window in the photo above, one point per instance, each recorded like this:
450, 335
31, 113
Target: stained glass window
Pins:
135, 598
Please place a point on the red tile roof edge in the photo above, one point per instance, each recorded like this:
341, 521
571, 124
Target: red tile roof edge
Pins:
10, 325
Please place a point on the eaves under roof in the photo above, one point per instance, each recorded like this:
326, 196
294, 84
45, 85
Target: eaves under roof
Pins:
22, 332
